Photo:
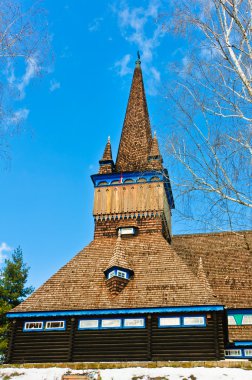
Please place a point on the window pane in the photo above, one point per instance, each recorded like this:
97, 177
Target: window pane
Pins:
194, 321
121, 274
248, 353
33, 325
55, 325
134, 322
88, 324
232, 352
231, 321
111, 323
169, 321
247, 320
111, 274
127, 230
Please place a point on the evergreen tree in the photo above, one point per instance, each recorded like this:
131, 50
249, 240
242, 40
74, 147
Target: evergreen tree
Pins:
13, 277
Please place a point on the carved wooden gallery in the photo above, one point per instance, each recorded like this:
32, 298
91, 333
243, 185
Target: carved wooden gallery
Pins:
136, 292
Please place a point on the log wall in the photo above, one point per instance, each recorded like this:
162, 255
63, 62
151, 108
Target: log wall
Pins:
140, 344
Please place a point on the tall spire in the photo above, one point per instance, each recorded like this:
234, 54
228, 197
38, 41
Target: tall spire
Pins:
136, 137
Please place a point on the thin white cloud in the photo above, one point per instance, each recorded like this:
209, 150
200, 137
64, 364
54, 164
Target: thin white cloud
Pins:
155, 73
4, 248
138, 27
18, 116
122, 65
95, 25
54, 85
31, 71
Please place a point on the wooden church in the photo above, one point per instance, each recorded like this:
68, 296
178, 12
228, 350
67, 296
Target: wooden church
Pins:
137, 292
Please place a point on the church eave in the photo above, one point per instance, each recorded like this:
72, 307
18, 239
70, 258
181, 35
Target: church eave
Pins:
62, 313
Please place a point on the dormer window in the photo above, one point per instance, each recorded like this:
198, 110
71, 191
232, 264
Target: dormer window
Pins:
118, 272
111, 274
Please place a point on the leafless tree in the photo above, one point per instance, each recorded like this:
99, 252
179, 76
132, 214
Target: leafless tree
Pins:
24, 54
211, 102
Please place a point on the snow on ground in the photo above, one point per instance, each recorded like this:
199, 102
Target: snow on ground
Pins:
169, 373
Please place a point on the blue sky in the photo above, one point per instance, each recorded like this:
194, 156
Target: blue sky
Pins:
46, 190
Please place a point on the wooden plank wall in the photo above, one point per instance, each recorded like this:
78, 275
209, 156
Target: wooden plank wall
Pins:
150, 343
110, 345
201, 343
129, 198
39, 346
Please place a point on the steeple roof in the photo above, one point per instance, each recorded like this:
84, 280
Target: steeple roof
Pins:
107, 155
154, 152
106, 163
136, 137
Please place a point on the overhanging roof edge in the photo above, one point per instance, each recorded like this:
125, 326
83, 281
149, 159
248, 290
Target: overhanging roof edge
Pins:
58, 313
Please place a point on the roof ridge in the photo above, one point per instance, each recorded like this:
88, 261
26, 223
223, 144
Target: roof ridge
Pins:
119, 257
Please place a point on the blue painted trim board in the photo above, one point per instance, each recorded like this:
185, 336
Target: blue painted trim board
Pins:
239, 311
60, 313
242, 343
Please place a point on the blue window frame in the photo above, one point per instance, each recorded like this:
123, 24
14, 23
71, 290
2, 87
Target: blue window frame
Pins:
55, 325
182, 321
134, 323
111, 323
241, 353
233, 353
117, 272
88, 324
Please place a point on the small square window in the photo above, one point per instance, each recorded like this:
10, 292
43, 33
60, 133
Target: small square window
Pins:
233, 353
169, 322
33, 326
111, 323
126, 231
247, 320
121, 274
112, 274
194, 321
133, 322
55, 325
231, 321
88, 324
248, 352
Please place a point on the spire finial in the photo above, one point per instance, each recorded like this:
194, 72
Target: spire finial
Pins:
138, 62
109, 139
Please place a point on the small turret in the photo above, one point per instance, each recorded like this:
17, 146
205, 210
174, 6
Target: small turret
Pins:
155, 159
106, 163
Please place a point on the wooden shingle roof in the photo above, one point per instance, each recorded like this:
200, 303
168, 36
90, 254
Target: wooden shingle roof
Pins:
227, 262
161, 278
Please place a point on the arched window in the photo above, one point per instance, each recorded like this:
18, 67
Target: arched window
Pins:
141, 180
154, 179
116, 182
128, 181
103, 183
